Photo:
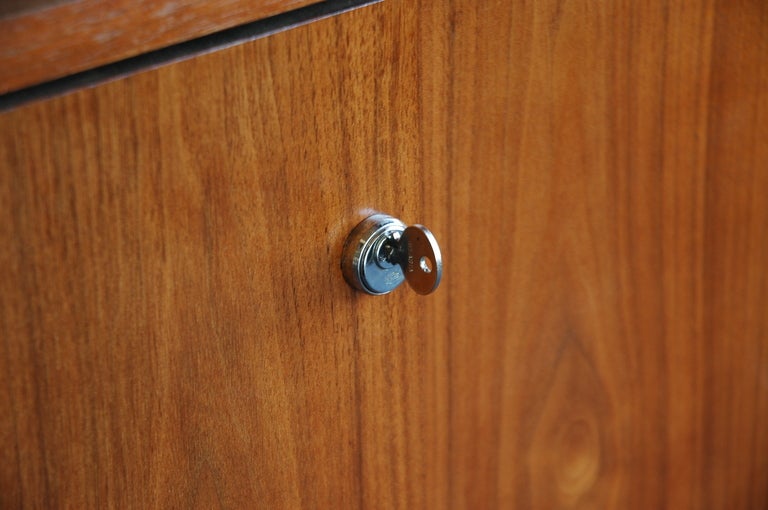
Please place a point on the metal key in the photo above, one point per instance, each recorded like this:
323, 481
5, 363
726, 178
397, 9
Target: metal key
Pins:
423, 265
381, 252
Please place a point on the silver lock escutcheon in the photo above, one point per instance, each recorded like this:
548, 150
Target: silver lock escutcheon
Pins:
381, 252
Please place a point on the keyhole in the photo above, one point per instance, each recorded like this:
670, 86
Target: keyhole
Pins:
425, 264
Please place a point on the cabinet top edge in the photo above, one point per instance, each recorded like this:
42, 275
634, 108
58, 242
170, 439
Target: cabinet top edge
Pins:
48, 39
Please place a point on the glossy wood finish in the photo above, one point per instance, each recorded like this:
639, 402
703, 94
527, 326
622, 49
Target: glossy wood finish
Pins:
56, 38
176, 331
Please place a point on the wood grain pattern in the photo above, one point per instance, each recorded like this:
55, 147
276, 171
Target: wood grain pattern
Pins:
62, 38
176, 331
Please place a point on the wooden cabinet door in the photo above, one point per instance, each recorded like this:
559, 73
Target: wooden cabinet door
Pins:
176, 331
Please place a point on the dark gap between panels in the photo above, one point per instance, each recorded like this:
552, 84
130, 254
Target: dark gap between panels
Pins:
181, 51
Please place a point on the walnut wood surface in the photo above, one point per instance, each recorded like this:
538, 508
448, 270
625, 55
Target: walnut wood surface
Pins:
56, 38
176, 331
